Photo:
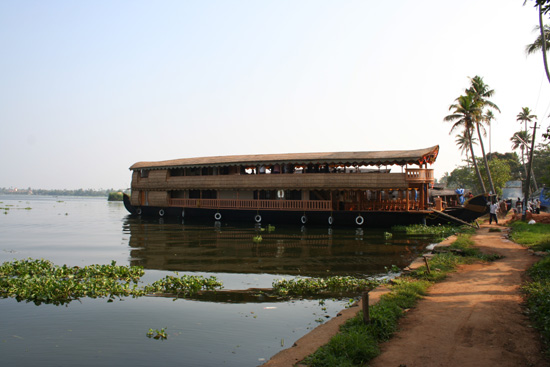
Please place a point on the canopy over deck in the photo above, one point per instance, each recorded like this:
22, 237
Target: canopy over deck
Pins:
373, 158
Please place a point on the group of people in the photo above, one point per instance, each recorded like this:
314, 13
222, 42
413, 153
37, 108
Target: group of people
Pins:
501, 207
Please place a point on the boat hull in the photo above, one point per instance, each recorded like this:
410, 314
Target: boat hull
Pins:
341, 218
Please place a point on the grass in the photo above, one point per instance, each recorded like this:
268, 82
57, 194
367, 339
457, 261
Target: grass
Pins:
357, 342
535, 236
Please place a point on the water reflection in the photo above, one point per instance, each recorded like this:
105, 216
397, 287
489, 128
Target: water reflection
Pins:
305, 251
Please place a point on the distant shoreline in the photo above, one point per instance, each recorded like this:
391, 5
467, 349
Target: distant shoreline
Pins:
64, 192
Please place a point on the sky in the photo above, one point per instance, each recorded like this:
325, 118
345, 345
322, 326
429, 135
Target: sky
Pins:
87, 88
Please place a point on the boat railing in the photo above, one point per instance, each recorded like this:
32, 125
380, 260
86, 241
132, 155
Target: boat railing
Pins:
298, 205
419, 175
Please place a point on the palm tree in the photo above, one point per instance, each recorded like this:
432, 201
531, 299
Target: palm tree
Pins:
543, 8
537, 45
464, 113
488, 117
463, 143
481, 94
520, 140
525, 116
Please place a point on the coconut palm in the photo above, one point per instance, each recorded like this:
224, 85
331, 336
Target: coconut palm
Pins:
543, 8
488, 117
520, 140
537, 45
463, 143
481, 94
464, 114
525, 116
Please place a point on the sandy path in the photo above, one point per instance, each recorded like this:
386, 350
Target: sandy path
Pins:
474, 318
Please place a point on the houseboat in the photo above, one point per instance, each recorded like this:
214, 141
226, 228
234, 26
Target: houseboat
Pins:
338, 188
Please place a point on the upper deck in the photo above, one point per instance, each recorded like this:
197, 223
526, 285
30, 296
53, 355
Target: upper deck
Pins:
298, 171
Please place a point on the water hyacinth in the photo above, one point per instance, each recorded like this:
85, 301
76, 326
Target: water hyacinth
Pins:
312, 286
40, 281
185, 285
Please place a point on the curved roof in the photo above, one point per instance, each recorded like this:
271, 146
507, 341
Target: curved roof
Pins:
373, 158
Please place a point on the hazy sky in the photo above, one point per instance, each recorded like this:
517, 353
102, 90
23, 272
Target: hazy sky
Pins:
87, 88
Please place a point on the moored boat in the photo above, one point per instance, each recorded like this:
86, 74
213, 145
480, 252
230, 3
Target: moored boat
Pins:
338, 188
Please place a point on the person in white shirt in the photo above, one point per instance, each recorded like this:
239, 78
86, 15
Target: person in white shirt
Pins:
493, 209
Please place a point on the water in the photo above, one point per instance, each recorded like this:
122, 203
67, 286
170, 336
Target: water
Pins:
229, 330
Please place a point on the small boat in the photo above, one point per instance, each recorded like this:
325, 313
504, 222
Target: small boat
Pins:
336, 188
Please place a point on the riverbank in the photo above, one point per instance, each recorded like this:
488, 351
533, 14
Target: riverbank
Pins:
473, 318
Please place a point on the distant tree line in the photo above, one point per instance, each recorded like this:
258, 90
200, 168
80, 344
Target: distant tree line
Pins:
60, 192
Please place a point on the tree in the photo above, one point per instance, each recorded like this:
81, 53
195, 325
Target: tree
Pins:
463, 117
488, 117
525, 116
541, 163
481, 93
512, 159
520, 140
543, 8
462, 177
463, 144
501, 172
536, 46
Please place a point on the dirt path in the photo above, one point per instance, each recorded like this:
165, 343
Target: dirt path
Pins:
474, 318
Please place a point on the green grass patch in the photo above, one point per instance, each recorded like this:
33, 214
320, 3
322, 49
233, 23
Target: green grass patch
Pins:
535, 236
538, 299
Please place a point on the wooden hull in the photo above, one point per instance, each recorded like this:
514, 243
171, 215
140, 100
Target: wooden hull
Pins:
372, 219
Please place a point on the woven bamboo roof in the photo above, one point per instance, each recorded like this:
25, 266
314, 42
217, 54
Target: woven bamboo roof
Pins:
373, 158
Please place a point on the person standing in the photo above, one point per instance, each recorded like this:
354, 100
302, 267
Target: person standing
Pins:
493, 209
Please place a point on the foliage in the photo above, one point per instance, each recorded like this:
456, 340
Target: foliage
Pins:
512, 160
538, 298
115, 196
157, 334
535, 236
541, 164
186, 285
59, 192
311, 286
440, 231
462, 177
500, 173
40, 281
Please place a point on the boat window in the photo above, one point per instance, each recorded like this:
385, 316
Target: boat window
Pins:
175, 172
193, 171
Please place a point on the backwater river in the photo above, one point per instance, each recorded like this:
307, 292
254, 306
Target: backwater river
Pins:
222, 331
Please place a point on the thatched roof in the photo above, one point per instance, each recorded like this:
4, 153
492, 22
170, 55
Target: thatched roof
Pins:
380, 158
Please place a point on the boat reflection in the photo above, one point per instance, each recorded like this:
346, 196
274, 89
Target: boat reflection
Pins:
305, 251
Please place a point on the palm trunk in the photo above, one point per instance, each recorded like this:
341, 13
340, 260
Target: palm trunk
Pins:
485, 161
543, 38
474, 162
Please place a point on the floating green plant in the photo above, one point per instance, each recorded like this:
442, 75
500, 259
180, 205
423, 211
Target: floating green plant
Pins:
311, 286
257, 239
40, 281
157, 334
186, 285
